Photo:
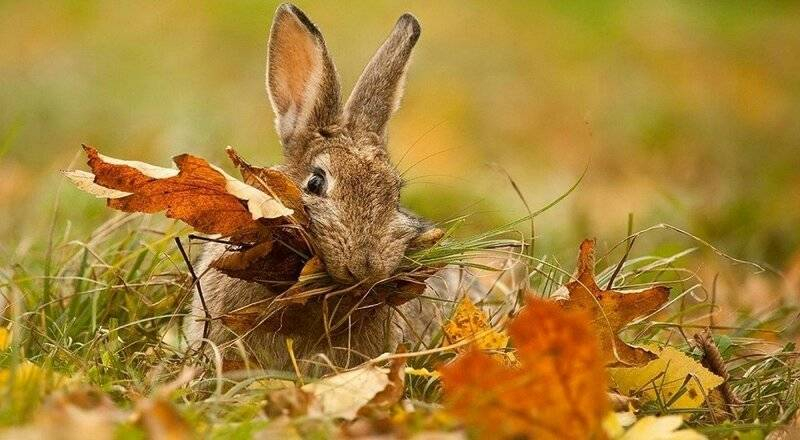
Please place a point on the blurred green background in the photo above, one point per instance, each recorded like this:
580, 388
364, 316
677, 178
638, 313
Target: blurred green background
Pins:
686, 112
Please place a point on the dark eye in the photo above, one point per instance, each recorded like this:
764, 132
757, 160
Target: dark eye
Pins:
316, 183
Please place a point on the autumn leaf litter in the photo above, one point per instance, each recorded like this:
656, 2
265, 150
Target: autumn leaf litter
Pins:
543, 370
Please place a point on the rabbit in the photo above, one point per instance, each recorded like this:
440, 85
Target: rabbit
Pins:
337, 153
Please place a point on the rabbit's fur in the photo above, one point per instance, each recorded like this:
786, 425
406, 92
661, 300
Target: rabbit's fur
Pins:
357, 225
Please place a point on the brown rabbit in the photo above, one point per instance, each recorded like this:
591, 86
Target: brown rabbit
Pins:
337, 154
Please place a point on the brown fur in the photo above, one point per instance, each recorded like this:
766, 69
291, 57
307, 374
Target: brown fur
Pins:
358, 227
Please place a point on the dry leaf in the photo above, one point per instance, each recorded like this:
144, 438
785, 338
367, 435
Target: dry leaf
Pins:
290, 401
611, 311
660, 428
275, 262
790, 431
664, 377
197, 193
85, 182
469, 321
361, 391
71, 416
394, 389
343, 395
272, 182
161, 420
557, 392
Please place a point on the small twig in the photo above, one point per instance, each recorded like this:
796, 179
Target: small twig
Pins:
196, 283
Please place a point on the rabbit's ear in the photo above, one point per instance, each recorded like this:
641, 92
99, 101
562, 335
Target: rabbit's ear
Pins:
301, 78
377, 93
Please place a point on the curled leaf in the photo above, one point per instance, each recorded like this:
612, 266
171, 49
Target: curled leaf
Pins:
200, 194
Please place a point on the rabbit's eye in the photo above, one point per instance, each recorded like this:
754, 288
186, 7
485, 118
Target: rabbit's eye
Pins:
316, 183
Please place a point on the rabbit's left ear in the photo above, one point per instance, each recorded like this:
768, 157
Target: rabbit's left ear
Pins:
301, 78
377, 93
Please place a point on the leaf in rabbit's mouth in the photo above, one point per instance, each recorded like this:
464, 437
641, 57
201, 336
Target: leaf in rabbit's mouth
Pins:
263, 219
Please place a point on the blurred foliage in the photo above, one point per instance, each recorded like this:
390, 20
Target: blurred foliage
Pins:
686, 112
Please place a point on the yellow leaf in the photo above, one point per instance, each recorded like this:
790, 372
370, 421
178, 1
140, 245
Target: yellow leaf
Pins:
469, 321
5, 338
27, 378
422, 372
664, 377
660, 428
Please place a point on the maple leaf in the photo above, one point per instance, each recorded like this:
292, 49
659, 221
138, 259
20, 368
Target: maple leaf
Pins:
611, 310
272, 182
200, 194
557, 391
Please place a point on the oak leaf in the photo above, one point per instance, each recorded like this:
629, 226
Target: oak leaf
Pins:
611, 311
556, 392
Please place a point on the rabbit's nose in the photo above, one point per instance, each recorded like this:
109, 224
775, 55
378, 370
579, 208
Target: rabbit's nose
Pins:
358, 269
364, 268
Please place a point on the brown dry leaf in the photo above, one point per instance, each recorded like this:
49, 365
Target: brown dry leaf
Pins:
244, 319
198, 193
558, 392
291, 402
394, 389
72, 415
610, 310
275, 262
161, 420
273, 182
427, 239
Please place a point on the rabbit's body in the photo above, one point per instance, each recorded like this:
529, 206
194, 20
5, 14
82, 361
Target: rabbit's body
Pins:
337, 154
371, 334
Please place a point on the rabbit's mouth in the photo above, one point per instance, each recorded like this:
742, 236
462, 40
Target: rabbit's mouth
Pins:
360, 269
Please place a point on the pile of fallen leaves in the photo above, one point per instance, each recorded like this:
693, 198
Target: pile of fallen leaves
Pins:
262, 221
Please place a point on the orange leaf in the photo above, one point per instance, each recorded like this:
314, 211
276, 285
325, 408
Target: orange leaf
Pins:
272, 182
196, 193
611, 310
557, 392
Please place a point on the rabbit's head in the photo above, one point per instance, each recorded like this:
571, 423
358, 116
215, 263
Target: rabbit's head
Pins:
337, 153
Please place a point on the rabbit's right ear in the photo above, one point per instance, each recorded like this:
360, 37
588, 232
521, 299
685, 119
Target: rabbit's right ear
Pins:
376, 95
301, 78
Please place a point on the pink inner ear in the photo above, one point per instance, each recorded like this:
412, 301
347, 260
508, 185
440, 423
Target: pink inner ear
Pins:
296, 58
